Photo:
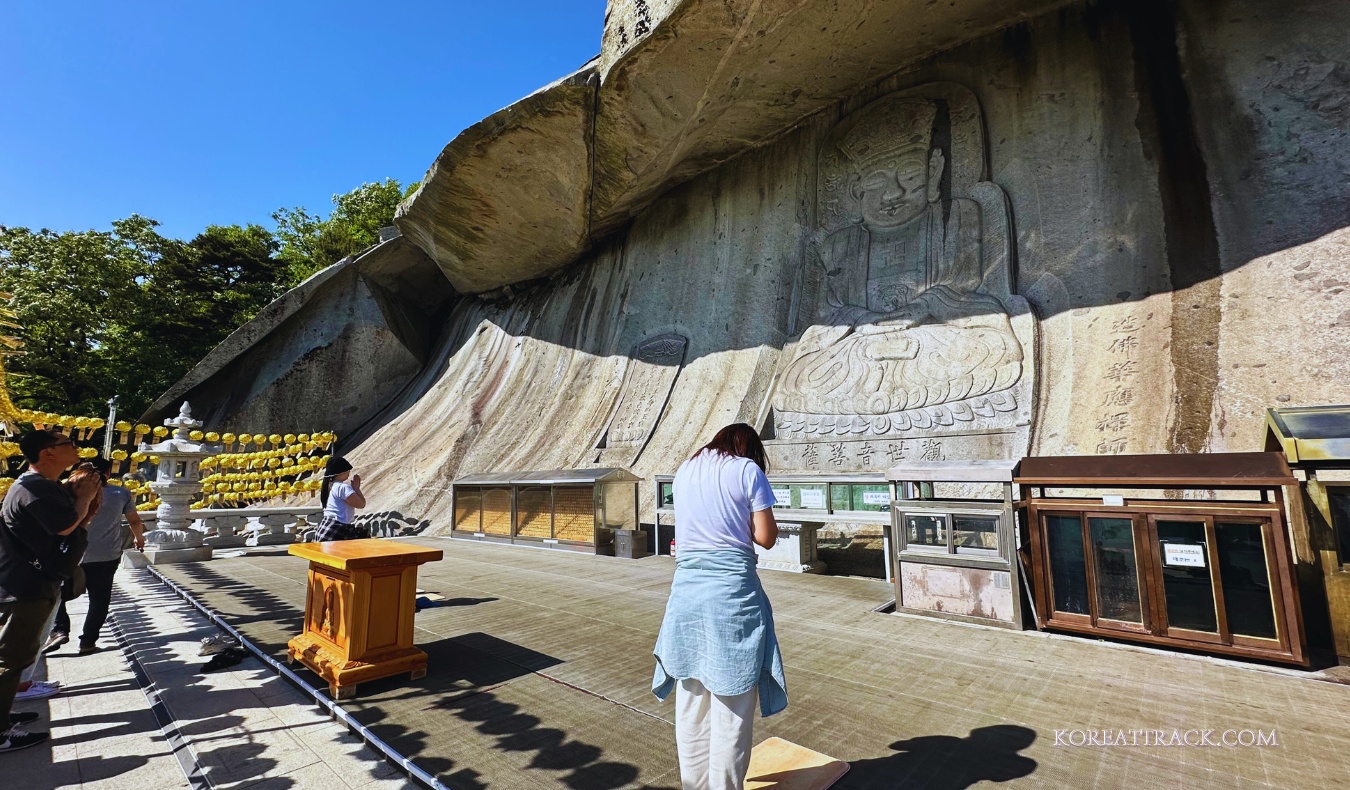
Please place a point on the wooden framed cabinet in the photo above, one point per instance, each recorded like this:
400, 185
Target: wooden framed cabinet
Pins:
1207, 574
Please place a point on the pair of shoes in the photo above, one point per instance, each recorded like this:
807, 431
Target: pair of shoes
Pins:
217, 643
16, 738
54, 641
89, 650
39, 689
225, 659
24, 717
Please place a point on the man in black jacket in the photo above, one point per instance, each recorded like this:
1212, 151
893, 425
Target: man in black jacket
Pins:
37, 542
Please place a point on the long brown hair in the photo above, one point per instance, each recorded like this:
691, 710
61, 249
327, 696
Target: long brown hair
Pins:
739, 440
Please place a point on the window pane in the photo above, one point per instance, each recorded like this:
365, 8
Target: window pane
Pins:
1068, 565
497, 511
1340, 520
534, 510
872, 498
574, 513
810, 497
467, 503
975, 532
620, 508
1246, 582
841, 497
927, 531
1117, 576
1187, 586
667, 495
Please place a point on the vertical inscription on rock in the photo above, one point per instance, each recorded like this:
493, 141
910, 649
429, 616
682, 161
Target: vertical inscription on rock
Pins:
1114, 414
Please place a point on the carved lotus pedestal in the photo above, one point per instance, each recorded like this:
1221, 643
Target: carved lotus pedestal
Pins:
359, 611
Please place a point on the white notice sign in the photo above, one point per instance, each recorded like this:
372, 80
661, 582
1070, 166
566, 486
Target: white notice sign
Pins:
782, 497
813, 497
876, 497
1184, 555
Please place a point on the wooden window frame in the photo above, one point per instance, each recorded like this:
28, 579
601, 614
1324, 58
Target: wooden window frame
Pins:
1269, 513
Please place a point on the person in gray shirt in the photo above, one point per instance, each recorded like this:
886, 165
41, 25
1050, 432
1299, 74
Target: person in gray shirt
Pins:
101, 559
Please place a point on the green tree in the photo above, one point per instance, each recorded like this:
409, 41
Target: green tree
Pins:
72, 293
128, 312
310, 243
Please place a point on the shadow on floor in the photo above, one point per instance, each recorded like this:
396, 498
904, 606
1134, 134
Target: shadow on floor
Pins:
945, 762
420, 721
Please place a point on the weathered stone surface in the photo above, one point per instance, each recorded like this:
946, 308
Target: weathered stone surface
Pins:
329, 354
507, 200
712, 79
1272, 85
682, 87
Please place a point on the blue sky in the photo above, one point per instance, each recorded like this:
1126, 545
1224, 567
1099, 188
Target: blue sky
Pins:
198, 113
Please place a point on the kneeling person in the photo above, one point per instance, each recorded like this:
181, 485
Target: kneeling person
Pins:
341, 497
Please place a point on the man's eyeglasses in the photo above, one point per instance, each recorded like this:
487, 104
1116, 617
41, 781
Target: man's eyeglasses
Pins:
60, 444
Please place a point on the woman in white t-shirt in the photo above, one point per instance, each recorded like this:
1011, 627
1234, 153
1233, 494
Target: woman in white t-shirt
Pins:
717, 647
341, 497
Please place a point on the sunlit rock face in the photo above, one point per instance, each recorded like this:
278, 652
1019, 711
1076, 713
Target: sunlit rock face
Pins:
328, 355
1109, 228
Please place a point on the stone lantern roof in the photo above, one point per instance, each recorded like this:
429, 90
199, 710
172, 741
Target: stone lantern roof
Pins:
180, 441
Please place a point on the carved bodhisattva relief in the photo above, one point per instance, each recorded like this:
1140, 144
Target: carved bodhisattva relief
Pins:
920, 336
652, 369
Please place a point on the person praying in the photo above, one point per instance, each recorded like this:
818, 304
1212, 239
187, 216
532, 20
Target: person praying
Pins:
717, 648
341, 496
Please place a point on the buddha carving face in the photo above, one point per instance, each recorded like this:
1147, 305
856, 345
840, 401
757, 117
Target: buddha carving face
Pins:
894, 190
895, 171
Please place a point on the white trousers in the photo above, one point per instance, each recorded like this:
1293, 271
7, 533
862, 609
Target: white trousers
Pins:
713, 736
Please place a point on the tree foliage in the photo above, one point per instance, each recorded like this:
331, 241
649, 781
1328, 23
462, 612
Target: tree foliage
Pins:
310, 243
129, 311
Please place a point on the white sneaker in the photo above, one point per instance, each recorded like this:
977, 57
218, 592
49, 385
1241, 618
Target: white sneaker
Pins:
40, 689
217, 643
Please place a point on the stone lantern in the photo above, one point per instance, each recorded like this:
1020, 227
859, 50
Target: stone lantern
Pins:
177, 482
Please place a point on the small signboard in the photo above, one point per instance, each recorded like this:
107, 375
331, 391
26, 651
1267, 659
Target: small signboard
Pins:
782, 497
813, 497
1184, 555
876, 497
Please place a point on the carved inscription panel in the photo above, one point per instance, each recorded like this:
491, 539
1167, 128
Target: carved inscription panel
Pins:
652, 371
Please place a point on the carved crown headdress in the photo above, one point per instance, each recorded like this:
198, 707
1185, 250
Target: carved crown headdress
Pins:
889, 128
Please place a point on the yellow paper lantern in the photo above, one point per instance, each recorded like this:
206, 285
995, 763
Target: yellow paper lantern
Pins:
159, 431
212, 436
245, 439
196, 436
275, 439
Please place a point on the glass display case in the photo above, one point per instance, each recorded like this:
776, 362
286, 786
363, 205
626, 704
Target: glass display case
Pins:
1316, 442
577, 509
1211, 571
954, 556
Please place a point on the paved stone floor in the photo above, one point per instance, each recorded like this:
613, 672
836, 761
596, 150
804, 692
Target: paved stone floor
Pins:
541, 666
244, 727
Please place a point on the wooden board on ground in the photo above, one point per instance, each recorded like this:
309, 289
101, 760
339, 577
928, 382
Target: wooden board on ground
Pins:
776, 764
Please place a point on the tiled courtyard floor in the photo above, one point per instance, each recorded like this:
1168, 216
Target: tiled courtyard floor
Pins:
541, 665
